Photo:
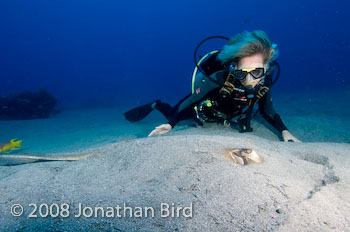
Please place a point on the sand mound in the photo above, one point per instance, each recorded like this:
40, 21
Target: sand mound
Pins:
299, 186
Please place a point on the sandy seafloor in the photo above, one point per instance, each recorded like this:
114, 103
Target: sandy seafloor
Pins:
300, 186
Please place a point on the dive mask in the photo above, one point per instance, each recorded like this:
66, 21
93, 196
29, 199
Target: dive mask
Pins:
241, 74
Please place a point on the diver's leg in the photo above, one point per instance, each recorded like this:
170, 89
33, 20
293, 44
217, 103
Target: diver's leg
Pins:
140, 112
166, 109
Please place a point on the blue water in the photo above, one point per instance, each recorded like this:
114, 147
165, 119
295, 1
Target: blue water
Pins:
125, 53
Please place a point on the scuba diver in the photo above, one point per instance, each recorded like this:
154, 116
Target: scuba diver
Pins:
229, 83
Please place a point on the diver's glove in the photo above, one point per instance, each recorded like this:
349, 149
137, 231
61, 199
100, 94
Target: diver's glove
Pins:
162, 129
288, 137
244, 125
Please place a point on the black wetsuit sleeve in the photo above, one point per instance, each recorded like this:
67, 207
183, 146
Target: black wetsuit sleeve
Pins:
186, 113
267, 111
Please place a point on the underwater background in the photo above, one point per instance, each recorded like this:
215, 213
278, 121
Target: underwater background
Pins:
100, 58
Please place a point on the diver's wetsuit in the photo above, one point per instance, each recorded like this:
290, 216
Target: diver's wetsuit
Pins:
207, 89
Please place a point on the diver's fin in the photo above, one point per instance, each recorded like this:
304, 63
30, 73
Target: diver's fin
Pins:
140, 112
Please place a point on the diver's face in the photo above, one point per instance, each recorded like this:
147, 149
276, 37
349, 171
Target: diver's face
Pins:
248, 62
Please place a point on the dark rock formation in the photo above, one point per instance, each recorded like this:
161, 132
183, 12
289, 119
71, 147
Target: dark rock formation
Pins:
28, 105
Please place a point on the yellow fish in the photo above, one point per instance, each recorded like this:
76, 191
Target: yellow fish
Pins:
10, 146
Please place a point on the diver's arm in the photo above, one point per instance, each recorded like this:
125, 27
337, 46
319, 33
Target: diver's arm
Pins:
162, 129
267, 111
186, 113
165, 128
288, 137
174, 118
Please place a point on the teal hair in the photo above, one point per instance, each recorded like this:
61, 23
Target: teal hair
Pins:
246, 44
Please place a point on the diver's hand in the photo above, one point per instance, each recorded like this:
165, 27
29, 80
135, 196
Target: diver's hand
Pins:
288, 137
162, 129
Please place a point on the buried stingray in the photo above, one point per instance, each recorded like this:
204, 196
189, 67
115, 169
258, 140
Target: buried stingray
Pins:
243, 156
240, 156
11, 160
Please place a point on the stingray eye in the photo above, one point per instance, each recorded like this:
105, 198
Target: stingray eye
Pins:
248, 150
